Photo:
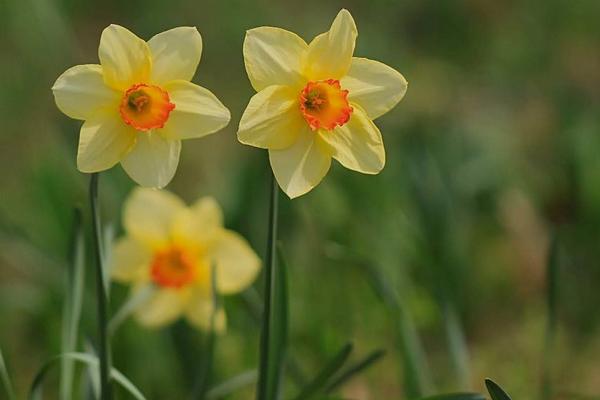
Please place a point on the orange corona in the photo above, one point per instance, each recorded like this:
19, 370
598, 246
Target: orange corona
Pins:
173, 267
145, 107
324, 104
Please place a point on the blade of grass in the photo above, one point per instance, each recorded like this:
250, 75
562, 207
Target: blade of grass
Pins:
495, 390
129, 307
73, 304
231, 385
417, 376
552, 271
320, 382
253, 305
456, 396
205, 370
101, 293
35, 392
274, 329
355, 369
6, 382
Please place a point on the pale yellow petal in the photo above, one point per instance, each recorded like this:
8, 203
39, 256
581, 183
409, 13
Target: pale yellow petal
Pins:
273, 56
236, 263
301, 167
272, 119
330, 54
175, 54
197, 112
200, 309
374, 86
200, 223
130, 260
163, 307
103, 141
153, 160
358, 144
125, 58
148, 215
81, 92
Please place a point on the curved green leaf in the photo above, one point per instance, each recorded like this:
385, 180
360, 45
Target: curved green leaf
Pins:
6, 379
35, 392
496, 391
318, 384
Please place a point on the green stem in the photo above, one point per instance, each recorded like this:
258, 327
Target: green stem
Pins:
270, 259
102, 301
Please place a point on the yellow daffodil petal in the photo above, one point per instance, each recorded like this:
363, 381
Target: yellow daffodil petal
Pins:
358, 144
200, 309
272, 119
153, 160
330, 54
376, 87
103, 141
163, 307
81, 92
199, 223
273, 56
236, 263
125, 58
197, 112
148, 215
301, 167
130, 260
175, 54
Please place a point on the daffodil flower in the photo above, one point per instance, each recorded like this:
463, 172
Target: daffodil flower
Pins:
175, 248
316, 102
139, 104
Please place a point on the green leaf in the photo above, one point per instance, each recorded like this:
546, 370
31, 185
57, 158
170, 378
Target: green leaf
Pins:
552, 279
355, 369
456, 396
35, 392
231, 385
319, 383
5, 378
496, 391
73, 304
275, 320
206, 365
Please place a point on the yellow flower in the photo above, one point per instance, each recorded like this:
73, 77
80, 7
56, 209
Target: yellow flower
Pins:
174, 248
316, 102
139, 103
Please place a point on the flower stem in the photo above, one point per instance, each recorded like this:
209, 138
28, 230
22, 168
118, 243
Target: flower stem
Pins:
101, 297
265, 384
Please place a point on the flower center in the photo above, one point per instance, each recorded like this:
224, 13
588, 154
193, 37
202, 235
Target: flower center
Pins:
173, 267
145, 107
324, 104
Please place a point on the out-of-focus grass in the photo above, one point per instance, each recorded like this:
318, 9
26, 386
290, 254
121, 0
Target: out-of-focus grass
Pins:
494, 147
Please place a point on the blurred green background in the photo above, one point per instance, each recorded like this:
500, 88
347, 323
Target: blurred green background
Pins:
494, 151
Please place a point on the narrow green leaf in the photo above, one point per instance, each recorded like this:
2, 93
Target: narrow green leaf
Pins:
495, 390
6, 382
232, 385
552, 279
206, 365
35, 392
417, 376
357, 368
320, 382
73, 304
456, 396
101, 293
274, 330
132, 303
